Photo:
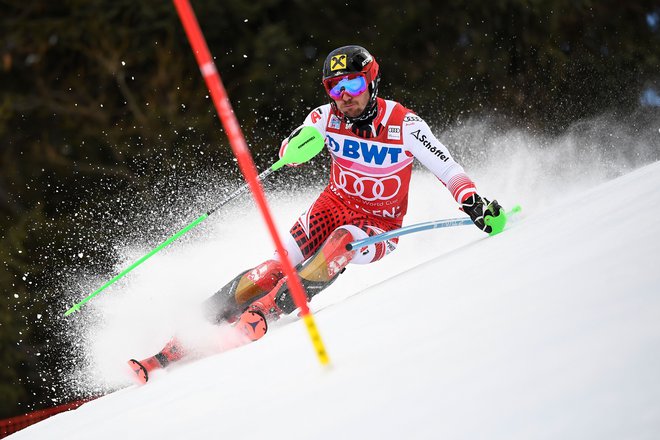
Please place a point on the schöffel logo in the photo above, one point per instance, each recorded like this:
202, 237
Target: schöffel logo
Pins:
432, 148
370, 153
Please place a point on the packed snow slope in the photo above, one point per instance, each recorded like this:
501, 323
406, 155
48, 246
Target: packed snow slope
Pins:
549, 330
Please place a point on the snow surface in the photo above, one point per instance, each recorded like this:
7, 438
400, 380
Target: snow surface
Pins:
549, 330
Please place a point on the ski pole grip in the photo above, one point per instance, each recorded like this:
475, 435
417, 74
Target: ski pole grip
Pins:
301, 148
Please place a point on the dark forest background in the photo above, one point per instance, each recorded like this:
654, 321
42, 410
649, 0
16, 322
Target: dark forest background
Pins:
101, 103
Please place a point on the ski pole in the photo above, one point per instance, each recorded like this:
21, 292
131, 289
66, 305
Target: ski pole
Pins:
497, 223
302, 147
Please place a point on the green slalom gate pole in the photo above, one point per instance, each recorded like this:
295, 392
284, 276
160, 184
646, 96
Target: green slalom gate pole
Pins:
301, 148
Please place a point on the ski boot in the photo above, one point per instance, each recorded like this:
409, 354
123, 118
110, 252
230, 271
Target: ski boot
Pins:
172, 352
252, 323
266, 305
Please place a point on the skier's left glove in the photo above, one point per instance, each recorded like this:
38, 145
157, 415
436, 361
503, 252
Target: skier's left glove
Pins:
477, 208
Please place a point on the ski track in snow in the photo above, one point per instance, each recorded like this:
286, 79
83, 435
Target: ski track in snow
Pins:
550, 330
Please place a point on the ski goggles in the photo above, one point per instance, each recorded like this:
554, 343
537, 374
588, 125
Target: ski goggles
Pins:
354, 84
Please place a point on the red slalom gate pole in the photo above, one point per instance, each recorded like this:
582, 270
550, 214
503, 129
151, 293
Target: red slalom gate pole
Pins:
245, 163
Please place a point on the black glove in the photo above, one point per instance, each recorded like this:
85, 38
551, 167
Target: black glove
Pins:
477, 208
295, 133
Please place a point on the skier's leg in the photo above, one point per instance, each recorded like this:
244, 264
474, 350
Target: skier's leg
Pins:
229, 304
373, 252
172, 352
266, 284
231, 299
322, 269
250, 326
316, 274
308, 233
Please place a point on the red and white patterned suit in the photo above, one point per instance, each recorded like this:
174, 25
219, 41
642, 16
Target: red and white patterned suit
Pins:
370, 175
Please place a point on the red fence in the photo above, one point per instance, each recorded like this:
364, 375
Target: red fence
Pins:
10, 426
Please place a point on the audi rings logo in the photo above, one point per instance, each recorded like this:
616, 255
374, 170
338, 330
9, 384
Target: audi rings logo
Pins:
366, 187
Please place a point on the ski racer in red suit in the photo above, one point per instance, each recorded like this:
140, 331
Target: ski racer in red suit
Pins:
372, 143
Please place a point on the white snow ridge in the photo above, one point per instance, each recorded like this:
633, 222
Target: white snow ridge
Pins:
550, 330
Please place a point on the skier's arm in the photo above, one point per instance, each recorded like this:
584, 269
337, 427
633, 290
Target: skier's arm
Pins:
317, 118
422, 143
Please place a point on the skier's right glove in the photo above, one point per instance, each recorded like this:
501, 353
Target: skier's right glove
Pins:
477, 208
285, 143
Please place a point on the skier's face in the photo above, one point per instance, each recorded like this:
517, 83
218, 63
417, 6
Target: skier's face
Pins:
352, 106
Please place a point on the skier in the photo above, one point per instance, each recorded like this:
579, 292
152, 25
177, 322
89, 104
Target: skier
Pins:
372, 143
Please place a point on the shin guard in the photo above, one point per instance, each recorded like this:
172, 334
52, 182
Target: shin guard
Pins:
319, 271
230, 301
